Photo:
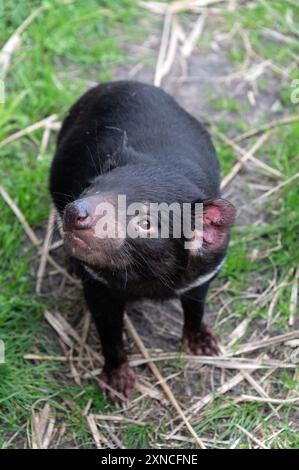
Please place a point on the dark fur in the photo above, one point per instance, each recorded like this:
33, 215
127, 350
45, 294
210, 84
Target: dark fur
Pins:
134, 139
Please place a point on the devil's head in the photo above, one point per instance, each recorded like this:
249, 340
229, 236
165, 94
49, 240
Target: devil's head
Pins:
130, 218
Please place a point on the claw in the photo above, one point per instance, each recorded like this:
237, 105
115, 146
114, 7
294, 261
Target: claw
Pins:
121, 380
200, 343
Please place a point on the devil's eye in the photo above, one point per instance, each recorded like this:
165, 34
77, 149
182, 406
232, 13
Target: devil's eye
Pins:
144, 224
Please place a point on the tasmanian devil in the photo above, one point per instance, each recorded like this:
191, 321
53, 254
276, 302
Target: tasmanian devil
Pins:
133, 140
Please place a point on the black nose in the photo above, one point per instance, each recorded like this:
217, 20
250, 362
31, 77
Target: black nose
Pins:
76, 216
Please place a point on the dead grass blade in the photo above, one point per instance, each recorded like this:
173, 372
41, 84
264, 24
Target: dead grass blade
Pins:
277, 188
165, 38
139, 343
195, 34
42, 428
59, 328
149, 391
238, 332
254, 384
86, 326
223, 362
194, 409
119, 419
38, 357
252, 437
274, 401
266, 127
275, 295
279, 37
44, 142
258, 388
114, 438
56, 245
64, 272
7, 443
169, 60
268, 342
45, 249
178, 6
68, 334
20, 216
240, 151
14, 41
97, 436
239, 165
28, 130
31, 235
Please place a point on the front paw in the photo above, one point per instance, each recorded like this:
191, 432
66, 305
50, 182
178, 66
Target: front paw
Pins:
200, 343
120, 380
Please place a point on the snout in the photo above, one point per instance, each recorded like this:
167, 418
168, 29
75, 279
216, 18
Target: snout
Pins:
78, 216
78, 226
85, 237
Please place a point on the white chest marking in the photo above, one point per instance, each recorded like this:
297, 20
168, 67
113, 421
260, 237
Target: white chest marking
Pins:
95, 276
200, 280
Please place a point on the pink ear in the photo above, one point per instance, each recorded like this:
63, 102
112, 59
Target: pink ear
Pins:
218, 216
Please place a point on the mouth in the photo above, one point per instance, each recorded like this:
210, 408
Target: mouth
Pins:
75, 243
81, 245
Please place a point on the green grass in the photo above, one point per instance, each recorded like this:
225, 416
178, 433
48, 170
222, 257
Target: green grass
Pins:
68, 43
248, 416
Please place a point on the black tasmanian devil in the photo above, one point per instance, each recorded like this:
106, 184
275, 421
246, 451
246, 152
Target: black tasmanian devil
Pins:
133, 140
